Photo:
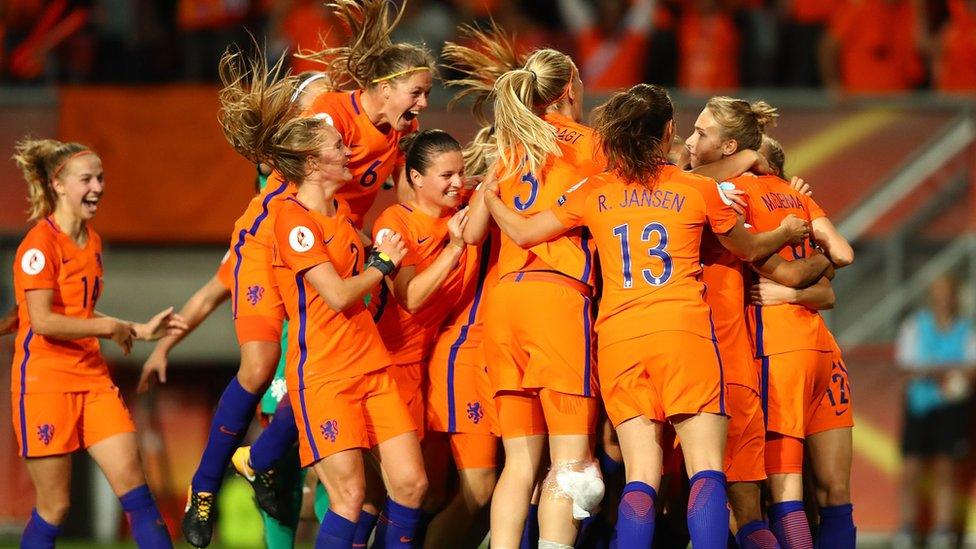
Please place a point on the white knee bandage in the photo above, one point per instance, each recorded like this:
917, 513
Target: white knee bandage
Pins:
543, 544
580, 481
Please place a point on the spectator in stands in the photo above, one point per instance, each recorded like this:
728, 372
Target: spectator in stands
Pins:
954, 52
759, 28
611, 40
207, 27
936, 348
872, 46
708, 46
806, 21
304, 25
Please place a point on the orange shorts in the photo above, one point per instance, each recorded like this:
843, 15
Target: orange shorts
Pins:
746, 442
836, 410
257, 306
784, 454
522, 414
474, 450
548, 344
794, 385
661, 375
356, 412
409, 380
50, 424
458, 392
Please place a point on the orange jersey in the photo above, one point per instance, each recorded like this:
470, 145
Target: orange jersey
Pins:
252, 242
466, 322
725, 293
375, 156
323, 345
409, 337
528, 193
787, 327
47, 259
956, 64
649, 241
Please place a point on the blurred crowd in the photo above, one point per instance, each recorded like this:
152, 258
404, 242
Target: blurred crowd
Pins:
857, 46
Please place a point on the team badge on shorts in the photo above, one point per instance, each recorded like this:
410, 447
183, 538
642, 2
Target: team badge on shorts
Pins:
475, 412
254, 294
330, 429
45, 433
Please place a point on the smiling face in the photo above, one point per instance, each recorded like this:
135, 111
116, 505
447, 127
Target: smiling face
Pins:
405, 98
440, 185
79, 186
706, 144
333, 159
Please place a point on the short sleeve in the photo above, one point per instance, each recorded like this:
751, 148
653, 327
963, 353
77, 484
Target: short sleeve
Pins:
571, 206
300, 240
720, 216
225, 273
390, 221
814, 209
38, 261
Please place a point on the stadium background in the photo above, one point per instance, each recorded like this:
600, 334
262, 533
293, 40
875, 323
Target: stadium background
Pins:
895, 166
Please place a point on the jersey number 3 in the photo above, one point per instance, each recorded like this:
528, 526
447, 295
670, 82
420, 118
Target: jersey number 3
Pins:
659, 251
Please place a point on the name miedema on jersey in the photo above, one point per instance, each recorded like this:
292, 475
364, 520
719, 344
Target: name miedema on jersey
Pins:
774, 201
643, 198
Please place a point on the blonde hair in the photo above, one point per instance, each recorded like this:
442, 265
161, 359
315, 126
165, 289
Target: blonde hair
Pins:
774, 154
260, 120
491, 54
371, 56
40, 160
523, 139
479, 154
742, 121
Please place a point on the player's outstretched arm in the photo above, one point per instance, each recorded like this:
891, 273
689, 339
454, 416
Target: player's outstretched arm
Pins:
479, 218
798, 273
196, 309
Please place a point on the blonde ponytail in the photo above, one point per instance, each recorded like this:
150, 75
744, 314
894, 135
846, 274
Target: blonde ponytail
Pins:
491, 54
742, 121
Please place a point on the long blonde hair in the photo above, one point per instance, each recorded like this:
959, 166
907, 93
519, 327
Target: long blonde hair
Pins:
259, 118
370, 57
523, 138
41, 160
491, 53
743, 121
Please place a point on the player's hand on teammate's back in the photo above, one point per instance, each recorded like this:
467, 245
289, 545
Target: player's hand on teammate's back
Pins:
798, 229
800, 186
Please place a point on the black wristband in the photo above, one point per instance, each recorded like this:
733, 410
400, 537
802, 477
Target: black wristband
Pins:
380, 261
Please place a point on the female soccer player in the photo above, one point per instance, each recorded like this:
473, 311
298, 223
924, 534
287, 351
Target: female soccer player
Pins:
657, 352
393, 81
64, 398
540, 362
344, 398
797, 350
724, 128
258, 318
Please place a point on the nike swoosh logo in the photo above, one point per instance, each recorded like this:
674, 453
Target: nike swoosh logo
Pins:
840, 413
422, 240
405, 539
227, 431
63, 260
330, 239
